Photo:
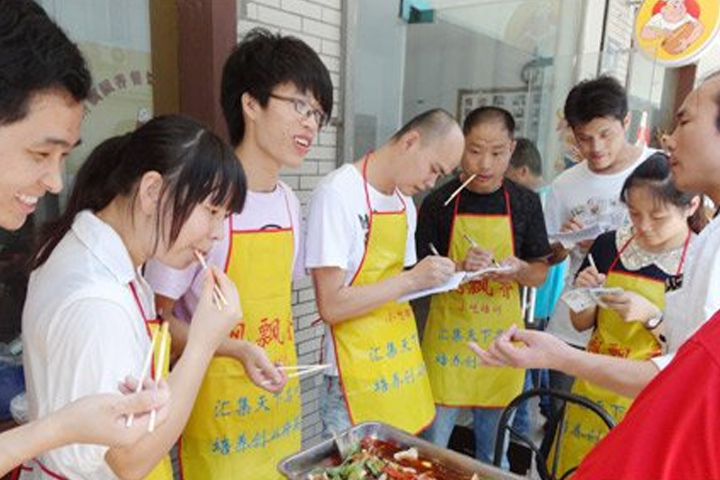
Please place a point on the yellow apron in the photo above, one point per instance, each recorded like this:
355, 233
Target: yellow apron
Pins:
478, 311
382, 372
236, 429
615, 337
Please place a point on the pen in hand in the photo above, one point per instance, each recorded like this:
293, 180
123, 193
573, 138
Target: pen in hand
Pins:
474, 244
433, 249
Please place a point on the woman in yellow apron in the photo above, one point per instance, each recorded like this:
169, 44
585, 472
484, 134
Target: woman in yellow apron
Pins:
149, 193
645, 260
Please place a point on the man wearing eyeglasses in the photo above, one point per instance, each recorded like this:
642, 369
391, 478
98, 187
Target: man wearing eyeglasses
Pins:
276, 95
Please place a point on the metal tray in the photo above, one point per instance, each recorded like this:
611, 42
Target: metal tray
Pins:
297, 466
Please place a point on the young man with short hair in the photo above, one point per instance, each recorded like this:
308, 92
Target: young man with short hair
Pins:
276, 96
671, 429
361, 226
491, 222
589, 192
45, 80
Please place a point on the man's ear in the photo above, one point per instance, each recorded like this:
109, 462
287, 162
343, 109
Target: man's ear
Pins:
626, 121
410, 140
250, 106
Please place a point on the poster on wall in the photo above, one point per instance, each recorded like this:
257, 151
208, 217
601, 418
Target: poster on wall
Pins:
522, 104
676, 32
120, 99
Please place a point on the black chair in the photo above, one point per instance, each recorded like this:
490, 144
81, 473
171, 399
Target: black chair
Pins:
554, 425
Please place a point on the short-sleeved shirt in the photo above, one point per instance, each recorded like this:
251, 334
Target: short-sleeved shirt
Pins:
263, 211
83, 332
435, 220
671, 429
591, 198
337, 226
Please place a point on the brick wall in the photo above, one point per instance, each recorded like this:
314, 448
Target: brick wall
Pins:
318, 23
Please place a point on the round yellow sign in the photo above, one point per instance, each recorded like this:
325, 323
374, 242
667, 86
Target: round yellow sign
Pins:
675, 32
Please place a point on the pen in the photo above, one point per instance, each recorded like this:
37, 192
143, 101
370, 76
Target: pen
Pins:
474, 244
592, 262
433, 249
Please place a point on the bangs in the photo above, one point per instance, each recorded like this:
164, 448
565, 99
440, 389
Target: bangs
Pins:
212, 172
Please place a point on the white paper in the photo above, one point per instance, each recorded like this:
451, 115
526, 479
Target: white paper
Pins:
569, 239
579, 299
452, 284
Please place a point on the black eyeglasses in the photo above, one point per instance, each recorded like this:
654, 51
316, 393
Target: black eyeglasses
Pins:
303, 108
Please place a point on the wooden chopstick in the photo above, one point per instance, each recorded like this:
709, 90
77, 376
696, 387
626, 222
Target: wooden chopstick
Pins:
321, 366
459, 189
143, 373
218, 296
164, 334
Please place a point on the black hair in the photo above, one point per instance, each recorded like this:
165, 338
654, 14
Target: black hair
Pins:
35, 56
260, 62
655, 174
527, 155
431, 124
194, 162
600, 97
489, 114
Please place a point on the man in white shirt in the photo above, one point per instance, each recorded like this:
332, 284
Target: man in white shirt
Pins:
589, 193
45, 81
357, 276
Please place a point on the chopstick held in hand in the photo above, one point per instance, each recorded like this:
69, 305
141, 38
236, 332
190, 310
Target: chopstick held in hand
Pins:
143, 373
164, 351
218, 297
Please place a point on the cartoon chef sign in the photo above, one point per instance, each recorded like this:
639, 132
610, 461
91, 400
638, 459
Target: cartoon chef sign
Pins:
675, 32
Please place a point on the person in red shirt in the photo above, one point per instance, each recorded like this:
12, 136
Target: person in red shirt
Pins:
672, 431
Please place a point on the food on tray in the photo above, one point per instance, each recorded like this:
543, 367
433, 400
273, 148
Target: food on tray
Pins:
375, 459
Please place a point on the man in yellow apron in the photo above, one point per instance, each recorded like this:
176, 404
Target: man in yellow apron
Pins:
490, 219
361, 224
276, 95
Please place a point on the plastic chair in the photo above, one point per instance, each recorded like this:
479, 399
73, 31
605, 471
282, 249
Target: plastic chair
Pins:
555, 425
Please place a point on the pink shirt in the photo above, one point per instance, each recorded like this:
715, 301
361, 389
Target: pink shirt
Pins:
263, 211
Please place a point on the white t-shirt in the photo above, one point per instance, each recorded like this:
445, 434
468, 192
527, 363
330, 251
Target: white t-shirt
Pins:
263, 211
337, 225
591, 198
658, 21
83, 333
699, 297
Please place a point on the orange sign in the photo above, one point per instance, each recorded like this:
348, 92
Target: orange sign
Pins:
676, 32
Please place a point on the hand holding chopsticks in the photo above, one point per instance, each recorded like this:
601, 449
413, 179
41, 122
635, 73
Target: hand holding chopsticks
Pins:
218, 297
299, 370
